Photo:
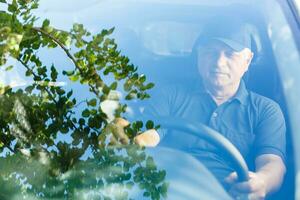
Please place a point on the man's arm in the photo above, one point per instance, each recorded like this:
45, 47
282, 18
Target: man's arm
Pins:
269, 148
272, 169
268, 178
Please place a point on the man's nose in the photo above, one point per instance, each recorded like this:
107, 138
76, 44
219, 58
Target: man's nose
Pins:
222, 60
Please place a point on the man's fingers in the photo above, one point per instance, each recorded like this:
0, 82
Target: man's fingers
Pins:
114, 133
252, 185
149, 138
231, 178
243, 187
237, 195
121, 122
118, 130
112, 141
119, 133
253, 189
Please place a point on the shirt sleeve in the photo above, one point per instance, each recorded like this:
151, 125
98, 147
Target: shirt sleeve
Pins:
270, 131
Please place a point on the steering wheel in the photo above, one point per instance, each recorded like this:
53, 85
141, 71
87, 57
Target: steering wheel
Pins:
211, 136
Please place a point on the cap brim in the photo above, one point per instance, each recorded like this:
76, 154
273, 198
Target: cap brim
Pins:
232, 44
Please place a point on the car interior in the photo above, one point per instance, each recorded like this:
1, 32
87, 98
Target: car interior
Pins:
175, 68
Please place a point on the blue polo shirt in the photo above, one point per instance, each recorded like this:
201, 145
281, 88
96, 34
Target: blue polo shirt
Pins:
253, 123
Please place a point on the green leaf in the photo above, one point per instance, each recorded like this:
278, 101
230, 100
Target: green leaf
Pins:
127, 85
53, 73
149, 124
81, 121
46, 23
60, 91
147, 194
164, 189
142, 78
42, 70
132, 95
139, 124
114, 85
35, 5
110, 31
12, 7
29, 88
64, 130
150, 85
74, 78
68, 73
150, 164
9, 68
86, 113
92, 102
69, 94
105, 89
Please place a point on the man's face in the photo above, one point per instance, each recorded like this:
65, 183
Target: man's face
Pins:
221, 66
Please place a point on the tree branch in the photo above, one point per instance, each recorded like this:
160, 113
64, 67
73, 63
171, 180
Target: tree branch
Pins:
35, 76
67, 53
12, 150
49, 93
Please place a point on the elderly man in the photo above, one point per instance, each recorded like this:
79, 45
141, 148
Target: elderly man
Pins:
253, 123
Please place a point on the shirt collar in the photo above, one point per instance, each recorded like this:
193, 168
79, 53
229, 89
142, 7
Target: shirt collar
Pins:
241, 94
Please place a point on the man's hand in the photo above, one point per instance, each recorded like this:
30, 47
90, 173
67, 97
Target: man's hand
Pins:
270, 170
114, 135
149, 138
255, 188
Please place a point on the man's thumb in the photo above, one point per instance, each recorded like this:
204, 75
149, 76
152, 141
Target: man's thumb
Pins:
231, 178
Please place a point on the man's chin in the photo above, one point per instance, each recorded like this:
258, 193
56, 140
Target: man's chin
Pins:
220, 83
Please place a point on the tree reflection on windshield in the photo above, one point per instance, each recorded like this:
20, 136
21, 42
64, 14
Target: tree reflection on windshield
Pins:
112, 174
36, 163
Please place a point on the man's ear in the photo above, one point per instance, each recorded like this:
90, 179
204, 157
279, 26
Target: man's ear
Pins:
250, 57
248, 54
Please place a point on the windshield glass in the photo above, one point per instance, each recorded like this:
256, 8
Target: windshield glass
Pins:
297, 5
144, 99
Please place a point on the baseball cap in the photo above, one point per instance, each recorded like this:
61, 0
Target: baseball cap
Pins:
229, 30
237, 45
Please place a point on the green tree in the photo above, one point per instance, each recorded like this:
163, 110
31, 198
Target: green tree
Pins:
37, 167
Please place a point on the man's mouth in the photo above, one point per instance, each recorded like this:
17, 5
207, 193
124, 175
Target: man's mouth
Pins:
219, 73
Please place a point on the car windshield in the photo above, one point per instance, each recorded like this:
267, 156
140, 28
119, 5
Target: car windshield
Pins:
297, 4
82, 80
